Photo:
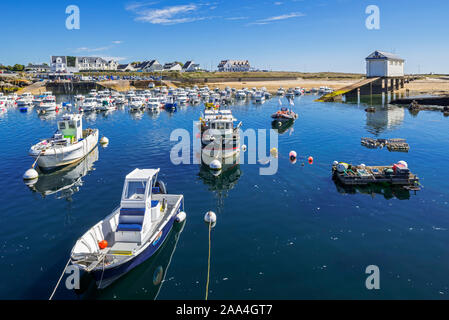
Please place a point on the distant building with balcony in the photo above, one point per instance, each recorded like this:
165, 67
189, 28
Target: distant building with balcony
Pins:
70, 64
95, 64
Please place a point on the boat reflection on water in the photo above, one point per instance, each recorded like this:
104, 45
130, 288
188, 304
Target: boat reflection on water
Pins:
136, 114
144, 282
49, 115
220, 183
385, 118
282, 127
388, 191
65, 182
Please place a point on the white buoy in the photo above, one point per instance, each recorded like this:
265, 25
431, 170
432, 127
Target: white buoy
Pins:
215, 165
244, 148
210, 218
335, 163
405, 164
30, 174
104, 140
180, 217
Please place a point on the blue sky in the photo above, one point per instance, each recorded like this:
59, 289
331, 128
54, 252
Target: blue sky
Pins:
293, 35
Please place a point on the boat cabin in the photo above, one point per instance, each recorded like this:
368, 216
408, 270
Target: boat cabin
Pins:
219, 122
137, 209
71, 127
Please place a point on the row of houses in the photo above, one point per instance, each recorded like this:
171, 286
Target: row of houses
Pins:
155, 66
68, 64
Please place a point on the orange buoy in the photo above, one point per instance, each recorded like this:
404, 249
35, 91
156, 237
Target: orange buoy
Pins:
103, 244
310, 160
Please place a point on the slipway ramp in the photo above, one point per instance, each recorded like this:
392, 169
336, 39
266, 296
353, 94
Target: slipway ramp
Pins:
330, 97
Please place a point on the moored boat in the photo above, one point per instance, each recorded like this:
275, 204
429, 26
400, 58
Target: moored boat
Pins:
133, 232
68, 145
219, 136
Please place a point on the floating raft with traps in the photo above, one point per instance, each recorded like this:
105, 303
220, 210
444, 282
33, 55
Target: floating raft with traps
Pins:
397, 174
400, 145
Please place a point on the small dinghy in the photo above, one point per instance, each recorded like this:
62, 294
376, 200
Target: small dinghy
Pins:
285, 114
133, 232
68, 145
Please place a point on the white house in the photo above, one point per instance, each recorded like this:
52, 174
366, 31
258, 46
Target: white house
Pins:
190, 66
149, 66
95, 64
126, 67
384, 64
172, 66
58, 64
234, 66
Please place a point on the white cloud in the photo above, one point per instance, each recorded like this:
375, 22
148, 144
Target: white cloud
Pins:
277, 18
278, 3
99, 49
167, 15
236, 18
284, 16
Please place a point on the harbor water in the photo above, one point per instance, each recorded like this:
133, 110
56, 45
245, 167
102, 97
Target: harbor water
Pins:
292, 235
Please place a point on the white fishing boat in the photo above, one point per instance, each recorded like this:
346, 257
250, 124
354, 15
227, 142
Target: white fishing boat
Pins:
136, 103
259, 97
89, 104
133, 232
220, 137
48, 104
299, 91
68, 145
153, 104
182, 98
241, 94
281, 91
25, 100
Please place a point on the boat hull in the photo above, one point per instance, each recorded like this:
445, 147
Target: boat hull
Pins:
59, 157
104, 278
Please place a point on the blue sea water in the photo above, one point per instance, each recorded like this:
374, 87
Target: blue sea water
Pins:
292, 235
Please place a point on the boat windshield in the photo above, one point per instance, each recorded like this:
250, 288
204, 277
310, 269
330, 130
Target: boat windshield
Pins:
135, 190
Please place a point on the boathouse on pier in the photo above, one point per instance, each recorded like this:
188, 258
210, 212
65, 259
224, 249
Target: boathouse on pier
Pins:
384, 64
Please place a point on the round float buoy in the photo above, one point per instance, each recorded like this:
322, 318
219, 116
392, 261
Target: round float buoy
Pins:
103, 244
104, 140
335, 163
310, 160
292, 155
210, 218
215, 165
274, 152
405, 164
244, 148
180, 217
30, 174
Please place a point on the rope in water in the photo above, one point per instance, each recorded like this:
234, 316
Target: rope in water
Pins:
60, 278
208, 262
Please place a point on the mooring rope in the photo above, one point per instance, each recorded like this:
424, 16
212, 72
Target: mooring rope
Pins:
208, 262
60, 278
34, 164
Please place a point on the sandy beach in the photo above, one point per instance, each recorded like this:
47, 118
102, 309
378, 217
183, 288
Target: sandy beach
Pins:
272, 86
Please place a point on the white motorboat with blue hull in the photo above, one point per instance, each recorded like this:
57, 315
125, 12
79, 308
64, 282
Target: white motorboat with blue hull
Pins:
133, 232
